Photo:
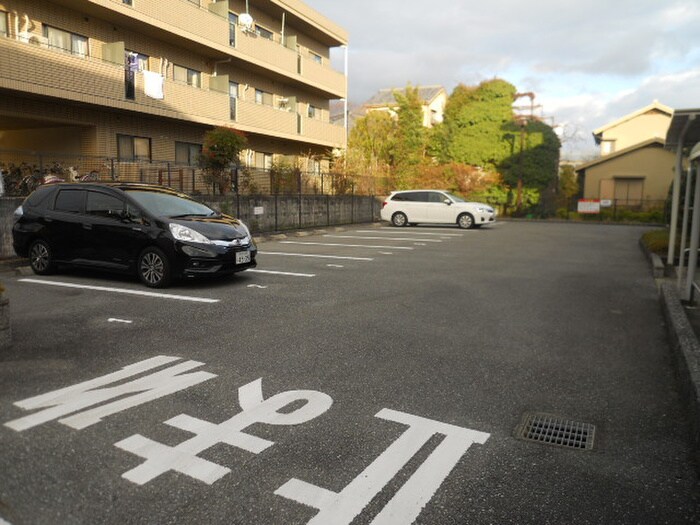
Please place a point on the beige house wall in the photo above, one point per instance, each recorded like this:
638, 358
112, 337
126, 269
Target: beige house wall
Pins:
652, 124
653, 164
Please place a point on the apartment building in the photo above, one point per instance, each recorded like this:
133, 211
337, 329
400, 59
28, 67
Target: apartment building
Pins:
143, 80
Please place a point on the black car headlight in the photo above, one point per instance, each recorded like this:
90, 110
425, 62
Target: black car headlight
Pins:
185, 234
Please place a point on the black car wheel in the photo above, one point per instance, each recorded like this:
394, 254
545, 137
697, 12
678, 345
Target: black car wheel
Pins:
399, 219
465, 221
41, 258
154, 268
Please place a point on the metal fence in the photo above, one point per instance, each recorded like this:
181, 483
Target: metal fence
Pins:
23, 171
621, 210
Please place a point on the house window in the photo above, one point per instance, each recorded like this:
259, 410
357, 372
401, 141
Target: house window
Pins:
262, 32
315, 57
263, 97
232, 23
3, 23
607, 147
187, 76
133, 148
66, 41
187, 153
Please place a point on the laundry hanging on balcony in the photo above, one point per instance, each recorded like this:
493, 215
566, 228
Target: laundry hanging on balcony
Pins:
153, 84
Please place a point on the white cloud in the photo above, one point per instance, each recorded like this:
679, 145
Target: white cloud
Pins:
588, 62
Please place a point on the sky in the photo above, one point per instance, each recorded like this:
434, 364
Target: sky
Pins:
588, 63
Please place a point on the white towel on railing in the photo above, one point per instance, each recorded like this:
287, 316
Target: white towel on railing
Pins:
153, 84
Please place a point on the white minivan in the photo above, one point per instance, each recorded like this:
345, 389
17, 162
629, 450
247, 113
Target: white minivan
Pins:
406, 208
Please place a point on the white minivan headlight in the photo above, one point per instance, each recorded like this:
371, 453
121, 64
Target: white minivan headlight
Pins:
183, 233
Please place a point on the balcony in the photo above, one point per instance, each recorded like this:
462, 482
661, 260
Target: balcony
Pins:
35, 69
320, 132
323, 76
180, 19
252, 117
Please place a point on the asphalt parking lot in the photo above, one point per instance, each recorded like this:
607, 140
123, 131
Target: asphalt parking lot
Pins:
368, 375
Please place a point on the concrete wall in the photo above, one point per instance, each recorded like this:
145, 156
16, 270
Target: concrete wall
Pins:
274, 213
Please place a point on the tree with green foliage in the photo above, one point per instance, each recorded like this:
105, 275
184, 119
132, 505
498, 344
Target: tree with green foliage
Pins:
220, 154
568, 183
411, 135
472, 132
371, 143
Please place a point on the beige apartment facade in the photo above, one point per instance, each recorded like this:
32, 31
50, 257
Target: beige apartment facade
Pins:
143, 80
633, 168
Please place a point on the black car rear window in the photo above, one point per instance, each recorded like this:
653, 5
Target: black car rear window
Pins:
70, 201
39, 198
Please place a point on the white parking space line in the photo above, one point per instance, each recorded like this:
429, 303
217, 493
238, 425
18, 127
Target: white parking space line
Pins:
318, 256
412, 232
417, 231
347, 245
290, 274
115, 320
122, 290
380, 238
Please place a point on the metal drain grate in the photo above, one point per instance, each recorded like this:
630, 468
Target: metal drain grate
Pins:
552, 430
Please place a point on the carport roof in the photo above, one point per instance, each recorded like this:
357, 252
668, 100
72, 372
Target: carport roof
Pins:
681, 119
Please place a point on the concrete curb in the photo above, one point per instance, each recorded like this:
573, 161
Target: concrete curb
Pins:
686, 358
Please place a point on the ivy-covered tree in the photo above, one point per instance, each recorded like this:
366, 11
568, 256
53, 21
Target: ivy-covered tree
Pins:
534, 158
220, 154
472, 132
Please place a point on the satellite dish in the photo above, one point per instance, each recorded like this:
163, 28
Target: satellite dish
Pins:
246, 20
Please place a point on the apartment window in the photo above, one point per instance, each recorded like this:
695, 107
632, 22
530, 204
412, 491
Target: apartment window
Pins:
232, 23
66, 41
262, 32
186, 75
136, 61
3, 23
128, 2
263, 160
187, 153
263, 97
313, 112
133, 148
315, 57
233, 98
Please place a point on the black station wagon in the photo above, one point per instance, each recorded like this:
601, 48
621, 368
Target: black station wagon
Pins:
153, 231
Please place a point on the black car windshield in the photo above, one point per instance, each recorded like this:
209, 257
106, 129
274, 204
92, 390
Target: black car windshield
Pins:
167, 205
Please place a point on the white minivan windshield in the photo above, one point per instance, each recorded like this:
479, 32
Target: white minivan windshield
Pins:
455, 198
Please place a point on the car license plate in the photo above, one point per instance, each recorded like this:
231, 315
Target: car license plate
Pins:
242, 257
